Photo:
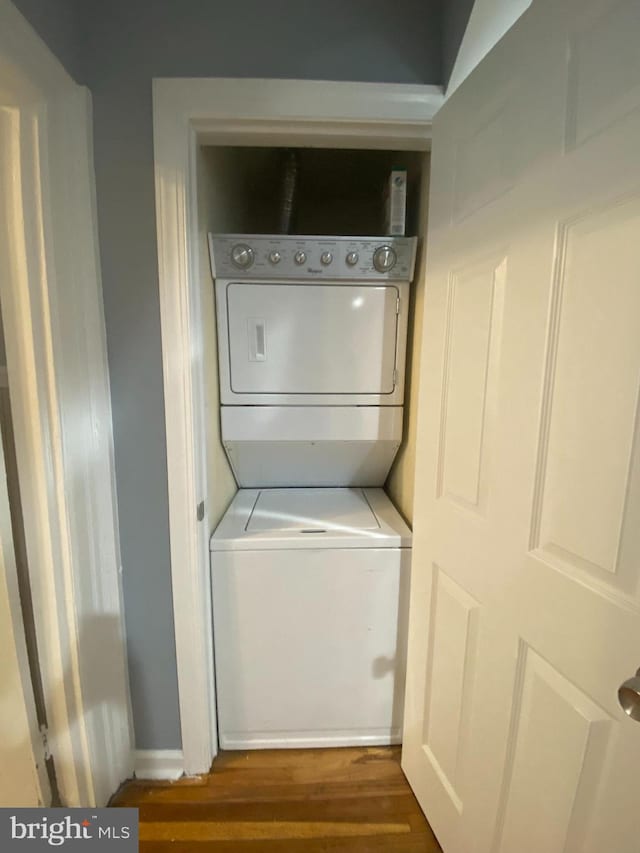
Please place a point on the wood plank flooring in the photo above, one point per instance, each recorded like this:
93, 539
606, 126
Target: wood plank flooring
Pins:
284, 801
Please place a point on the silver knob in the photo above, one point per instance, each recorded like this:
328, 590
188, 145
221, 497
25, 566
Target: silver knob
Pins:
275, 257
384, 258
629, 697
242, 255
326, 258
352, 259
300, 258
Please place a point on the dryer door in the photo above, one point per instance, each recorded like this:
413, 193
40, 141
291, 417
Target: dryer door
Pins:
306, 340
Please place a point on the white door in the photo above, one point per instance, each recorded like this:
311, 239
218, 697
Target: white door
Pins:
525, 599
61, 409
23, 776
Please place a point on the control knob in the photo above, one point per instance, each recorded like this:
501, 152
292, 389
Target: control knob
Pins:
384, 258
326, 258
274, 257
352, 258
300, 258
242, 255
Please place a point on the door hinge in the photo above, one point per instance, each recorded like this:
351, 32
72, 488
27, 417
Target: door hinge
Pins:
398, 305
44, 735
200, 511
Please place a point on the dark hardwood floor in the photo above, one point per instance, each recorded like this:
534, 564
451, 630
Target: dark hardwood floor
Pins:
285, 801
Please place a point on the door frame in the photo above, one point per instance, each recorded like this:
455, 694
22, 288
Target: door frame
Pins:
257, 112
26, 727
56, 351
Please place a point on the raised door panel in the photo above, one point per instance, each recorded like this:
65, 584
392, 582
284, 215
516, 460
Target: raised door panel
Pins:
557, 749
602, 93
449, 682
472, 340
592, 397
486, 159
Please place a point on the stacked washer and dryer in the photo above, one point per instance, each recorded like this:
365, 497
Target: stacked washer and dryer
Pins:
310, 564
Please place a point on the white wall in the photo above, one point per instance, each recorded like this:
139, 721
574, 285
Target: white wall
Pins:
489, 21
217, 211
401, 480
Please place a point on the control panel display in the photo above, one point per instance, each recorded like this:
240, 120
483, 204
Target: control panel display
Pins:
280, 257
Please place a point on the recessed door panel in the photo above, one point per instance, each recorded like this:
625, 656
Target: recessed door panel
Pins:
312, 339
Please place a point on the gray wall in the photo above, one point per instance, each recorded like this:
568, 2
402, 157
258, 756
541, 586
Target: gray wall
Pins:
129, 44
58, 24
123, 45
455, 16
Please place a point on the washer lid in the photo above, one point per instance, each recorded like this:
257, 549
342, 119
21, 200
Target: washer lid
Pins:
264, 519
311, 511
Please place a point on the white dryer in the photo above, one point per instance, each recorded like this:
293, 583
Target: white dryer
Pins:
310, 564
310, 594
312, 335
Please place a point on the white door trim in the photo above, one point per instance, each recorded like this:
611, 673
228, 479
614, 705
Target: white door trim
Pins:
247, 112
23, 738
57, 371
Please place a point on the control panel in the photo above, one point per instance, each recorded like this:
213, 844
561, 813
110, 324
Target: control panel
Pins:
294, 257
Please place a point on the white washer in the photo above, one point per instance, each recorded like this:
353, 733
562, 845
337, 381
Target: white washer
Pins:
310, 596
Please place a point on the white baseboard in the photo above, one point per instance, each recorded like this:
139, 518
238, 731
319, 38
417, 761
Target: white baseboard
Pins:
158, 764
308, 740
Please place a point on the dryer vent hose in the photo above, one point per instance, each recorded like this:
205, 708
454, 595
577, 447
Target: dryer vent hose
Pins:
289, 190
